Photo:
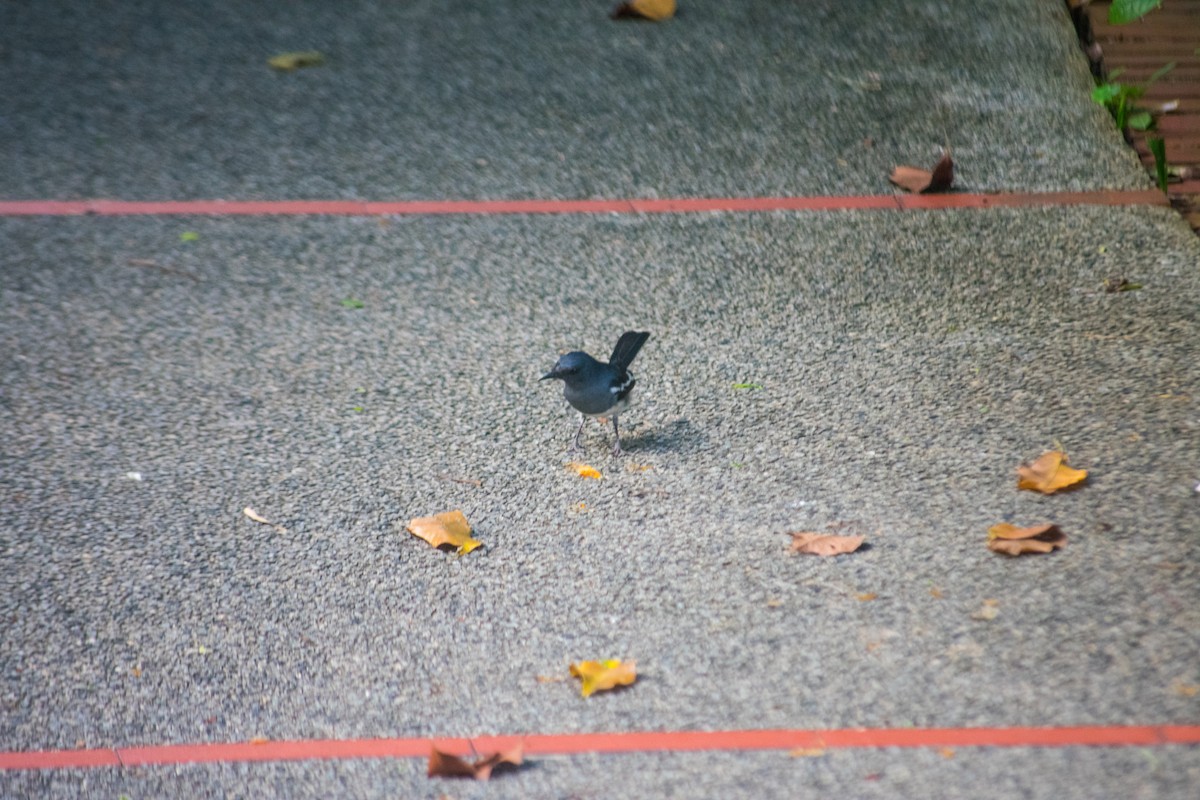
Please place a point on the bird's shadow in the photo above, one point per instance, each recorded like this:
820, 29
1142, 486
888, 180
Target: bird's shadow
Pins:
680, 436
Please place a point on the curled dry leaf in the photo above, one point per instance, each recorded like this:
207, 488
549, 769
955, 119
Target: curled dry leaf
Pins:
253, 515
445, 765
583, 470
286, 62
824, 544
1049, 473
447, 529
654, 10
1013, 541
599, 676
920, 181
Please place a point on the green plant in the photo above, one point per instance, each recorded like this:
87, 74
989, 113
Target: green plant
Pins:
1119, 99
1158, 148
1123, 11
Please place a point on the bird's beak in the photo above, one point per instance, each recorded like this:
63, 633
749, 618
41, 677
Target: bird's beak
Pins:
550, 374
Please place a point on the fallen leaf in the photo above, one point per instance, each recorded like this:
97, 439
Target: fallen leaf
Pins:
774, 602
447, 529
946, 752
583, 470
806, 752
188, 236
1049, 473
989, 611
1013, 541
445, 765
824, 544
920, 181
747, 386
866, 598
259, 740
136, 670
1185, 689
654, 10
599, 676
286, 62
1115, 284
260, 519
936, 592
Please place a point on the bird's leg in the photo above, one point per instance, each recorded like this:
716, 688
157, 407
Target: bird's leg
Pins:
616, 451
576, 446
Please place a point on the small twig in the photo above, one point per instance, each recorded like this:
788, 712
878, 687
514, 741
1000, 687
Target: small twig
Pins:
148, 264
467, 481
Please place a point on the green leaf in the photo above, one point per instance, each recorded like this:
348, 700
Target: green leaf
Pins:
1125, 11
188, 236
1141, 120
1106, 92
1158, 148
1158, 73
352, 302
747, 386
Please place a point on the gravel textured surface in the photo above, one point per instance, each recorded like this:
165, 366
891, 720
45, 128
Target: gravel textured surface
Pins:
144, 100
343, 375
907, 363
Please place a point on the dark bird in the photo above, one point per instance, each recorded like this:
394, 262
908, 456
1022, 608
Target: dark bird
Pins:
596, 389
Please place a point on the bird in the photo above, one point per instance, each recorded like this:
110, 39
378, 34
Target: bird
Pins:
596, 389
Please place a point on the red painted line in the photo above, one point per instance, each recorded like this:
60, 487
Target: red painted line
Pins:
630, 742
58, 759
681, 205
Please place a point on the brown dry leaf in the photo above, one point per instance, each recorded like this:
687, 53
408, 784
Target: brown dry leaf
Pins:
936, 592
599, 676
1049, 473
1013, 541
824, 544
921, 181
136, 670
1185, 689
946, 752
448, 528
286, 62
584, 470
867, 597
445, 765
654, 10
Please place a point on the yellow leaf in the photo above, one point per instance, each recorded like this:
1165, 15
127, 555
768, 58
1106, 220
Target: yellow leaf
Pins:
867, 597
1049, 473
655, 10
290, 61
583, 470
824, 544
449, 528
599, 676
806, 752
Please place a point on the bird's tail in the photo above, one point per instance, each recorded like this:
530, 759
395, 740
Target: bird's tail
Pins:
627, 348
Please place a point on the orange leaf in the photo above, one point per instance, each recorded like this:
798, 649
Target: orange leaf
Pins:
645, 9
919, 181
1049, 473
583, 470
824, 544
445, 765
599, 676
1013, 541
450, 528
